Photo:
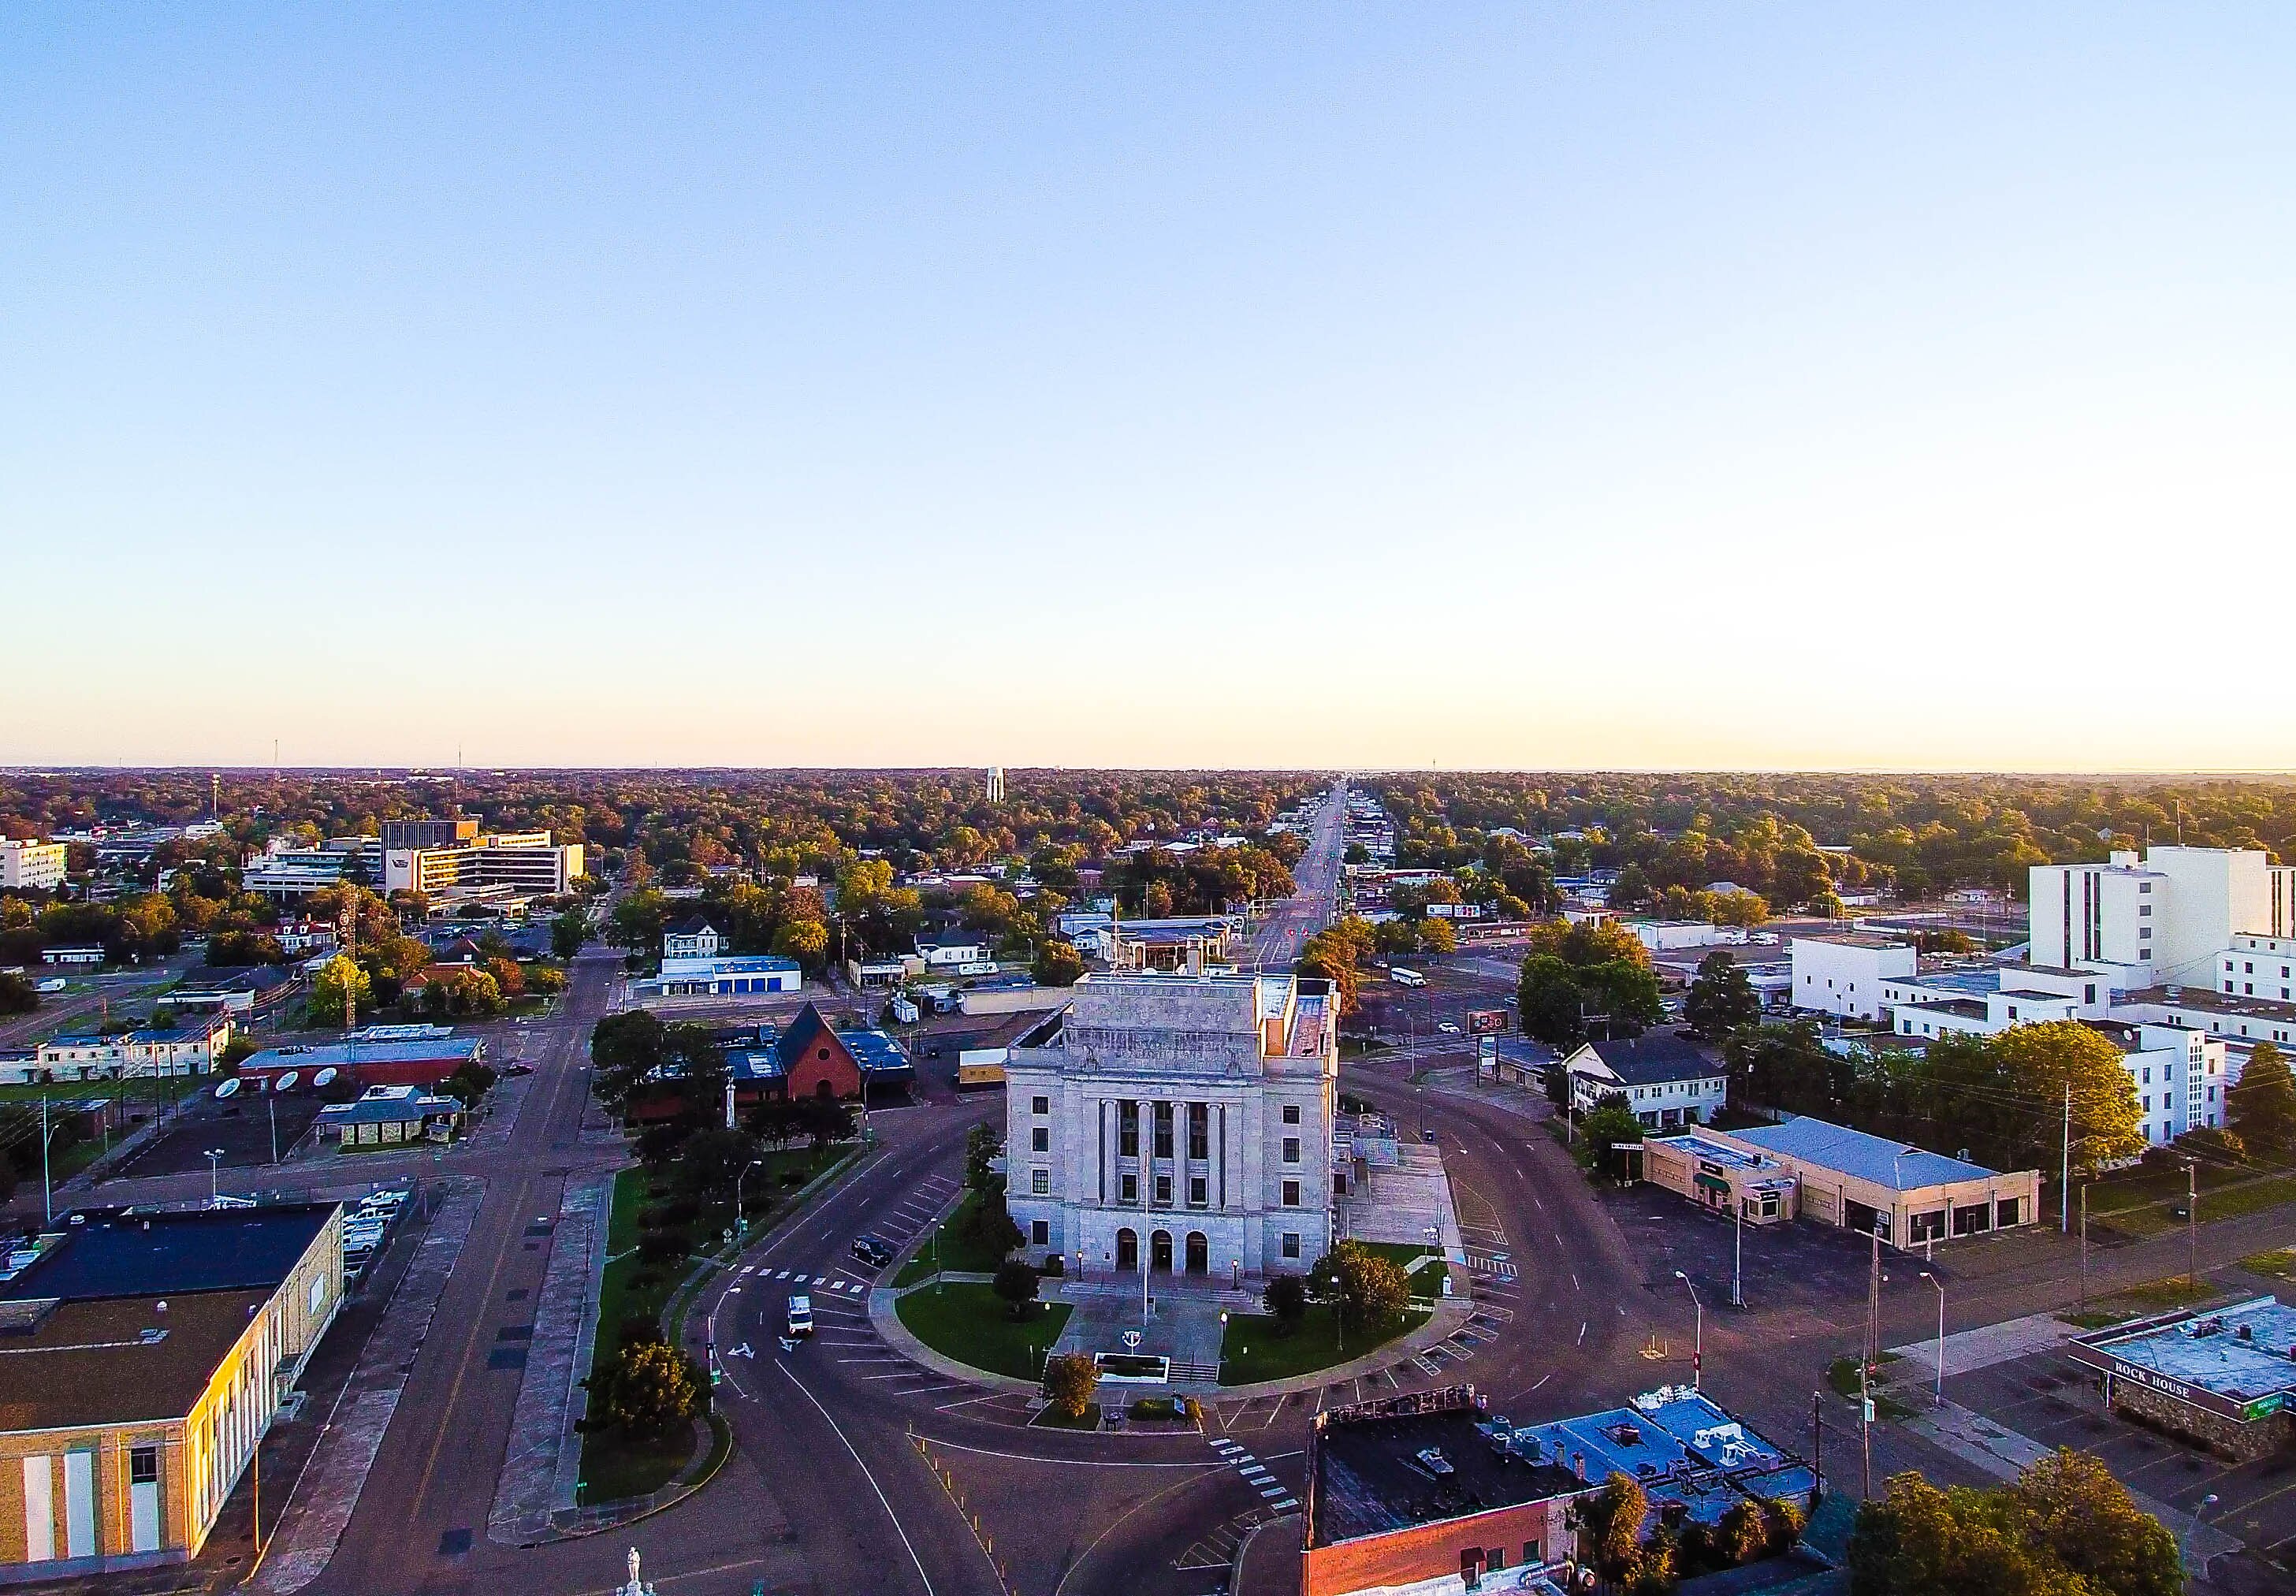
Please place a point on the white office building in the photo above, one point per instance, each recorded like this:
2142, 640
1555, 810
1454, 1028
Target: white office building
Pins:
1842, 974
2180, 1073
1180, 1119
31, 866
2165, 920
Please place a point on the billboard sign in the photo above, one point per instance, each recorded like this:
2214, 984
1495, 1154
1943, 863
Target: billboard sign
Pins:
1486, 1022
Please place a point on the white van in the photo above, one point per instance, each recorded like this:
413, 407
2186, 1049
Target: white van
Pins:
801, 1315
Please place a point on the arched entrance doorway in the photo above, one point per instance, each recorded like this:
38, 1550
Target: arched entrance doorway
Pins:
1200, 1253
1160, 1251
1127, 1248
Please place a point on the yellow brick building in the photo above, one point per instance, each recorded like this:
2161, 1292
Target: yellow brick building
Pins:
142, 1358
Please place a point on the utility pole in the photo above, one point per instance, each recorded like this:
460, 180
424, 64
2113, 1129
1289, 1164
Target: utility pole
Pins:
2084, 1244
47, 1190
2192, 1222
1865, 1365
2065, 1159
1817, 1438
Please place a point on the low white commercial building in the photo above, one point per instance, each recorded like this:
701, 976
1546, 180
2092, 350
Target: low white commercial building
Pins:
953, 950
1666, 936
1183, 1120
183, 1050
1842, 973
31, 866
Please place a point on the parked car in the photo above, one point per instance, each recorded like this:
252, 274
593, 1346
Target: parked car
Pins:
873, 1250
801, 1315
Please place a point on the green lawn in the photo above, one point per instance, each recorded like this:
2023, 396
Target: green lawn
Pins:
1252, 1351
969, 1323
2280, 1264
2249, 1196
955, 1256
615, 1465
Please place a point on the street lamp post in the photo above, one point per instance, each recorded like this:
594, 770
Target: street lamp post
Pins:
1698, 1334
1738, 1252
1941, 1339
2193, 1528
215, 1164
740, 1215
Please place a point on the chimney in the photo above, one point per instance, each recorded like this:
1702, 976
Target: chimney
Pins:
1579, 1464
1195, 955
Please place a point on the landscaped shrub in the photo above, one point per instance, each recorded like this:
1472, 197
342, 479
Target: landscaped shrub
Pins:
661, 1246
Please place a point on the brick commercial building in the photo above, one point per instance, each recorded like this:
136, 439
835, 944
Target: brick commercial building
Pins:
1867, 1183
1433, 1492
142, 1358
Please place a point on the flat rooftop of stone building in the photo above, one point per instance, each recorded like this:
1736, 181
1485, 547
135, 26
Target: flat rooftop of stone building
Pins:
2240, 1355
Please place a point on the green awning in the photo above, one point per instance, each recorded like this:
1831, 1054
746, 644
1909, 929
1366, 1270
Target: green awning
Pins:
1711, 1183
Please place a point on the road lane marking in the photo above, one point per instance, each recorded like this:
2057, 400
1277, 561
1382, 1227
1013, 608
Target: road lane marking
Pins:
1582, 1332
873, 1486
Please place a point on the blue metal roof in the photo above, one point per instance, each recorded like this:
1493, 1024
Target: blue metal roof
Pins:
1898, 1165
875, 1051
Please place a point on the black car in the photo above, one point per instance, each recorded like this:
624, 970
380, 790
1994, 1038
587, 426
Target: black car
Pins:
873, 1250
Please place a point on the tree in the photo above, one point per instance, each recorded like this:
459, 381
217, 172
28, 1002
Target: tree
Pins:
1437, 936
1057, 964
2073, 1505
636, 921
650, 1387
626, 1051
1608, 1523
1916, 1539
338, 982
2041, 1061
1286, 1302
2262, 1103
1721, 998
569, 932
985, 1224
1072, 1380
1016, 1283
981, 1146
17, 996
1548, 1000
1368, 1289
825, 1121
1625, 993
805, 940
1610, 1122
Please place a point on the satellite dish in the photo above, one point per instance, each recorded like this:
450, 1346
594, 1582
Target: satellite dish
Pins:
286, 1083
230, 1088
325, 1077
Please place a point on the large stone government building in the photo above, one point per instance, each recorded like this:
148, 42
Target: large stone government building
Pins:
1232, 1076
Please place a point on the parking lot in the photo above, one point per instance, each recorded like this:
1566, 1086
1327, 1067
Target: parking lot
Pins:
2053, 1400
242, 1129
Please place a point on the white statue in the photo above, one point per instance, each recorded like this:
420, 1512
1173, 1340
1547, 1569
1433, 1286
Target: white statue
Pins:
636, 1587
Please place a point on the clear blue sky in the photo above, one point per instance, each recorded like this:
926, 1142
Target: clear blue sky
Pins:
1523, 386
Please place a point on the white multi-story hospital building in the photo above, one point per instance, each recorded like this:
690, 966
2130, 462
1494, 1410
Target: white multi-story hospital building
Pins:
1185, 1117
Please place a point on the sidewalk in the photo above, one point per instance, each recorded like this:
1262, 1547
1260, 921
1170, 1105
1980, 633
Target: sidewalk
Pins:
544, 1459
313, 1522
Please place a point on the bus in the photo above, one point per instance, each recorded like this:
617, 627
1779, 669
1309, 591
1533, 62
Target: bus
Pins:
1406, 978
